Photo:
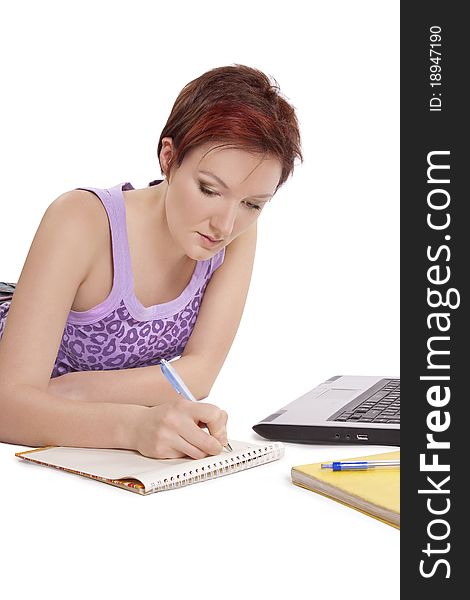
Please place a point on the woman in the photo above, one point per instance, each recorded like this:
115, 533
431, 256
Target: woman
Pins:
117, 279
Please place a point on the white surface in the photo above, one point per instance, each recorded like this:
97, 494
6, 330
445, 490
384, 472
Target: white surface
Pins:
251, 530
86, 91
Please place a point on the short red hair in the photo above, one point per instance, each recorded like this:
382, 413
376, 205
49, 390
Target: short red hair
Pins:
240, 107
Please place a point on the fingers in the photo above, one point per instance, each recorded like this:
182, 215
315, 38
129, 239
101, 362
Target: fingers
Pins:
185, 440
177, 431
185, 448
200, 438
215, 419
218, 427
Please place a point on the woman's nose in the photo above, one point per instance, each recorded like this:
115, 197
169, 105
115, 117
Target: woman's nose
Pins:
224, 221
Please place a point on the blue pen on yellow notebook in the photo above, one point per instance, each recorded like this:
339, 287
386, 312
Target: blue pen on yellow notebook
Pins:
179, 385
361, 465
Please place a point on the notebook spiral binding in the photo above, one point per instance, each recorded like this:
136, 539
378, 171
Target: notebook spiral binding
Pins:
242, 461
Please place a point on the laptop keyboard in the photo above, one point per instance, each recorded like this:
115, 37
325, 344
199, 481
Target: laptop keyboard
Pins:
382, 407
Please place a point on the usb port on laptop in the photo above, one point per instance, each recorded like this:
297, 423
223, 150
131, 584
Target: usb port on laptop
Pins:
362, 436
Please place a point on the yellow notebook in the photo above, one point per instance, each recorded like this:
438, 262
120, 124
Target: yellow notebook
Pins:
375, 492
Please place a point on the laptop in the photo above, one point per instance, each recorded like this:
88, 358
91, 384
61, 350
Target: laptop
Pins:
345, 409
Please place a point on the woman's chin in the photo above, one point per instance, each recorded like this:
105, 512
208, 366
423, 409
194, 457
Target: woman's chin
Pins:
201, 250
200, 254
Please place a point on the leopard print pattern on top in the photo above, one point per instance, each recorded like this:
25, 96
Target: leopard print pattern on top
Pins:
119, 341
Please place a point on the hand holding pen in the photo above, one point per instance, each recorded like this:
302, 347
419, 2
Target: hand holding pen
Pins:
179, 385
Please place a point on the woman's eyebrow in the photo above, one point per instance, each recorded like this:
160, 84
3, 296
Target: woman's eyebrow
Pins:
225, 186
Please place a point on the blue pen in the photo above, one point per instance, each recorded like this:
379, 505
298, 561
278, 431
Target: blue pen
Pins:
179, 385
361, 465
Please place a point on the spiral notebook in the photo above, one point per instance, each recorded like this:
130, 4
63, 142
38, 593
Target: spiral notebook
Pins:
130, 470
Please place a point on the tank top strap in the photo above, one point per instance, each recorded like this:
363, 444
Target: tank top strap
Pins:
113, 202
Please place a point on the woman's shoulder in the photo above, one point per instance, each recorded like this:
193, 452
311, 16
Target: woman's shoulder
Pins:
83, 207
83, 215
79, 203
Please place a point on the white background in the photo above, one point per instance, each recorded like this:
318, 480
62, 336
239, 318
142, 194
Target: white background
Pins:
87, 88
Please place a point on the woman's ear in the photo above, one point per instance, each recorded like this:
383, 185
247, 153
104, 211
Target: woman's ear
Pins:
166, 155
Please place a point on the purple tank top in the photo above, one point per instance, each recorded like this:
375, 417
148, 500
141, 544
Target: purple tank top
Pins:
120, 332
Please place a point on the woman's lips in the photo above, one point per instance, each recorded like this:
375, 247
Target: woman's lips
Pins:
209, 242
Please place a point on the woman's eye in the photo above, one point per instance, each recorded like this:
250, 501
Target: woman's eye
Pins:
253, 206
206, 191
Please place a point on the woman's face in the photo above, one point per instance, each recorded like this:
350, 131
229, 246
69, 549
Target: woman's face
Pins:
219, 194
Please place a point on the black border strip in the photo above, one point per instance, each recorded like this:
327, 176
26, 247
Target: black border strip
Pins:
433, 127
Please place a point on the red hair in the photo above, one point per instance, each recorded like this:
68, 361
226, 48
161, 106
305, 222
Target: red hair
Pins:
240, 107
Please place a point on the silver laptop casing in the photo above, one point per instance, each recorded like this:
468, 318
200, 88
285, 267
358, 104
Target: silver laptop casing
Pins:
308, 419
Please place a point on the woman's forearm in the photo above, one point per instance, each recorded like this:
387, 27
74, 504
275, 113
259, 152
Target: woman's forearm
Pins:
146, 386
31, 417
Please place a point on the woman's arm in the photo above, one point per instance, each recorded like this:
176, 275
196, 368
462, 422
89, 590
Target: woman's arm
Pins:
58, 260
222, 306
31, 417
146, 386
